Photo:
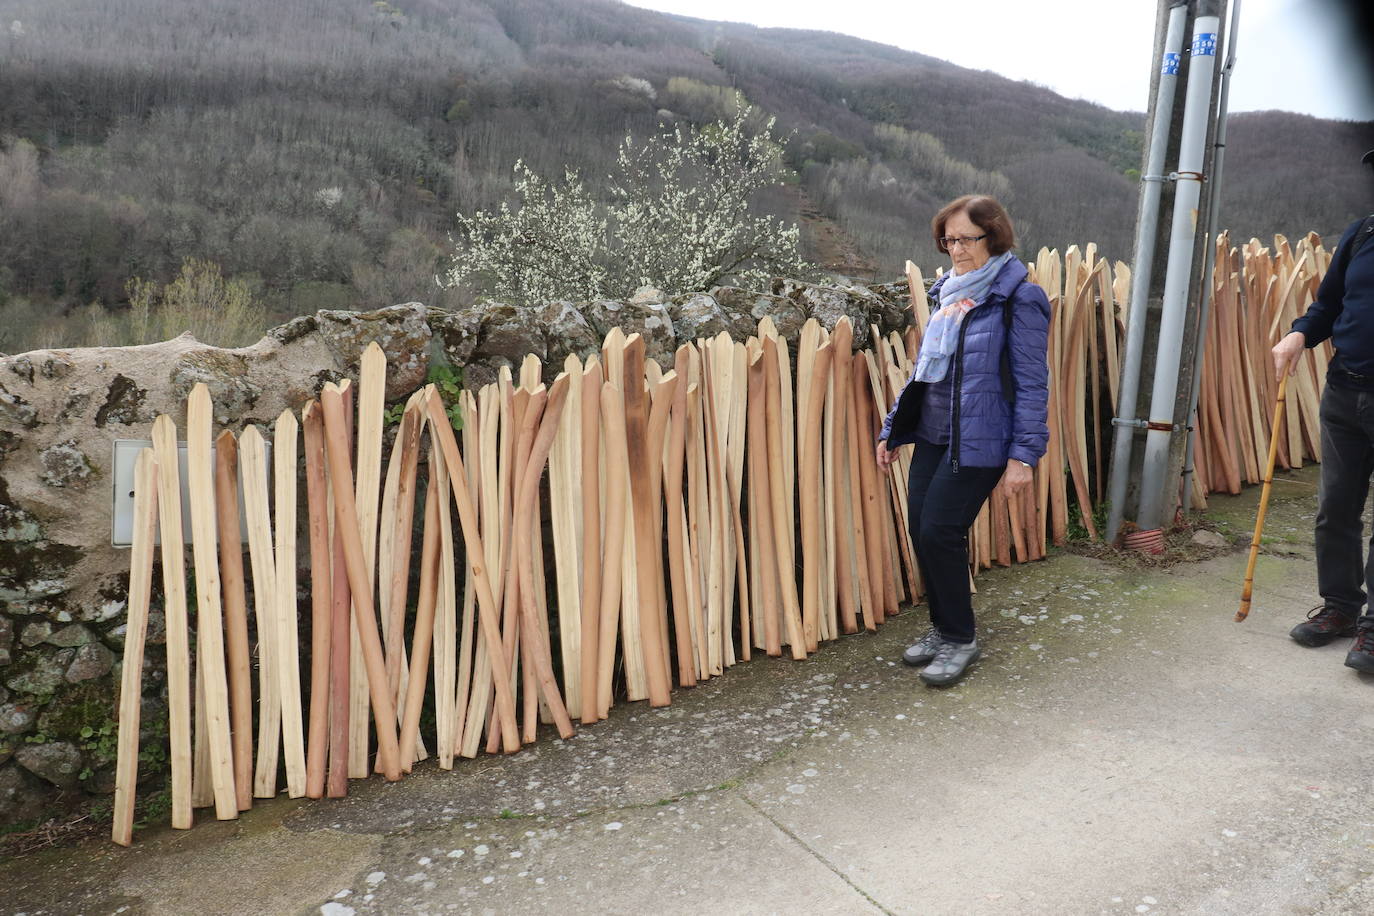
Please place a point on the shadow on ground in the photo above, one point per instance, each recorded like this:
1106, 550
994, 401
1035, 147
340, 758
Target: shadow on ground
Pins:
1123, 747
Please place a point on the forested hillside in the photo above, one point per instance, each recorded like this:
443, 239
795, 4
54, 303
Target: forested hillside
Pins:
319, 149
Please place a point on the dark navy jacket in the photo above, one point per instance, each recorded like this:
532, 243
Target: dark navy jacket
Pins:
990, 425
1344, 309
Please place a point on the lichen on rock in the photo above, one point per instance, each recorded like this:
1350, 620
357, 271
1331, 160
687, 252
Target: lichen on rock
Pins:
57, 762
124, 404
64, 465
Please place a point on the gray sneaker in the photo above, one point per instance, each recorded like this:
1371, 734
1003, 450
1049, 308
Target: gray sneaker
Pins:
924, 650
951, 660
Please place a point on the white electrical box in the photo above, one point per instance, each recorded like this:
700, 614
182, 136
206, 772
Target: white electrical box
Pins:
122, 514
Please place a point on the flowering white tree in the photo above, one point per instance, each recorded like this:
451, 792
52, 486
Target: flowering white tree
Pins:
677, 218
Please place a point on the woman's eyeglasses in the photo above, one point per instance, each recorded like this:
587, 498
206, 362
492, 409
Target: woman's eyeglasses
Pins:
949, 243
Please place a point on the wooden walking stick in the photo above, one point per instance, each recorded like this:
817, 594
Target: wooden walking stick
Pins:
235, 615
136, 633
1263, 502
321, 596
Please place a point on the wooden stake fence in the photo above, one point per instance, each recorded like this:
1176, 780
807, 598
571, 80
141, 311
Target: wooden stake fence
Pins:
698, 513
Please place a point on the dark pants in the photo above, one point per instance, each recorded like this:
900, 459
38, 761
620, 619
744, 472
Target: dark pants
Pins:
1344, 569
941, 505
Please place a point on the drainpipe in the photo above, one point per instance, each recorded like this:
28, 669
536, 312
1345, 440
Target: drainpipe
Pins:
1209, 264
1182, 236
1152, 184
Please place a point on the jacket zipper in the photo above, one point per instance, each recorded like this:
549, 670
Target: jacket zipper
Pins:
955, 397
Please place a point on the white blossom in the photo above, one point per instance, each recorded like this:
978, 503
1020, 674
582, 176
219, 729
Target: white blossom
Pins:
678, 218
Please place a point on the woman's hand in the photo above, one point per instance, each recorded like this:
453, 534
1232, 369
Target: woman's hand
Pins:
1286, 353
885, 458
1016, 478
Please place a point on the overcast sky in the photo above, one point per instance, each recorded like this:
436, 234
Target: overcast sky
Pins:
1294, 55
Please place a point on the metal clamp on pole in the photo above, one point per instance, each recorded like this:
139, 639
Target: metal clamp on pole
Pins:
1161, 179
1192, 176
1133, 424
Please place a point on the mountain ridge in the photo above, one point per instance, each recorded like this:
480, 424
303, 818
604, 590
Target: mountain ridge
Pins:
322, 147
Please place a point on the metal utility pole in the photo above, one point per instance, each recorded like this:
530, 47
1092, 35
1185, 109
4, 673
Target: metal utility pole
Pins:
1213, 211
1188, 132
1161, 124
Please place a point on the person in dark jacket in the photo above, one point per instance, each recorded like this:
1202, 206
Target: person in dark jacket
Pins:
1343, 313
975, 407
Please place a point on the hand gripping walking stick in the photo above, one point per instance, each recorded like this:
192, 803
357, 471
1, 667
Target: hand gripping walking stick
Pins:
1274, 431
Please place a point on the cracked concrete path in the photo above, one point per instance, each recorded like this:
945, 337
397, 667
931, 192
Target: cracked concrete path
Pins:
1123, 747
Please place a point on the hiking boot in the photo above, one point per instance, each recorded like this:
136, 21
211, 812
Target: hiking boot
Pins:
1323, 624
951, 661
924, 650
1361, 655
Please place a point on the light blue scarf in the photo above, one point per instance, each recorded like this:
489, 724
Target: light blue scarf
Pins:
959, 294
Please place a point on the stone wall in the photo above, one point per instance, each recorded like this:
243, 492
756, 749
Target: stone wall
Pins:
63, 587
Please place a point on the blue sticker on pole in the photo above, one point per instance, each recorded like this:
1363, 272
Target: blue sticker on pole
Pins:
1171, 62
1205, 44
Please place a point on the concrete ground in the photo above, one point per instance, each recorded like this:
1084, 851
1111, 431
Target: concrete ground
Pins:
1123, 747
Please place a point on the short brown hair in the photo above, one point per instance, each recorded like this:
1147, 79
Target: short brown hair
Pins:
985, 213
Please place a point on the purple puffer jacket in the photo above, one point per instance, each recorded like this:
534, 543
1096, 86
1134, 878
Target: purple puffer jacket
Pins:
990, 424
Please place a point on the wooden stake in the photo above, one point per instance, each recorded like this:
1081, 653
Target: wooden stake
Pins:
393, 547
761, 514
590, 481
371, 404
565, 516
423, 635
845, 522
444, 624
235, 615
813, 557
777, 484
321, 598
615, 462
253, 471
284, 478
135, 635
646, 541
866, 475
535, 641
340, 625
678, 561
384, 711
200, 483
472, 539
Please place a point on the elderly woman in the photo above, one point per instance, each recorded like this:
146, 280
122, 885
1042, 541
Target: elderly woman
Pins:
975, 407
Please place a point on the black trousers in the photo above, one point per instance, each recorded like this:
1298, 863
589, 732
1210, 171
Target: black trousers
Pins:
1345, 570
941, 505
